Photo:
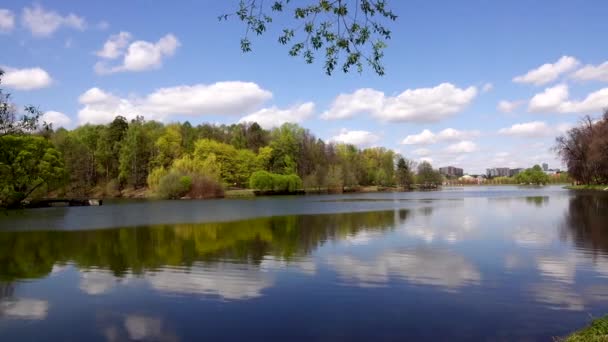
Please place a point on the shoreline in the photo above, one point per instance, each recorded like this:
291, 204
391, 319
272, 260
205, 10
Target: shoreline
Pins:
593, 187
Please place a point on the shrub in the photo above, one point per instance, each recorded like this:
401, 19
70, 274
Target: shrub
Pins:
261, 180
173, 185
266, 181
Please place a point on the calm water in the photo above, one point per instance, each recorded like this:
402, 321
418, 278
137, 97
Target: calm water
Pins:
501, 263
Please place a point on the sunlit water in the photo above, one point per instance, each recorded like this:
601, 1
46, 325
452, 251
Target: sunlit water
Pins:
500, 263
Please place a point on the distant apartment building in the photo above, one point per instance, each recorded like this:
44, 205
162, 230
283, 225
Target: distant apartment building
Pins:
545, 167
498, 172
513, 172
451, 171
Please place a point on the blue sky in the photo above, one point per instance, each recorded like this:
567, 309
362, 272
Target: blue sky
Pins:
473, 84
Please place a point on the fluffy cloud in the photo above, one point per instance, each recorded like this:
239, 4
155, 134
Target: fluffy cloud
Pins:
449, 134
425, 137
7, 20
274, 117
218, 98
592, 73
509, 106
139, 56
358, 138
43, 23
527, 129
115, 46
548, 72
26, 79
465, 146
58, 119
556, 99
361, 101
412, 105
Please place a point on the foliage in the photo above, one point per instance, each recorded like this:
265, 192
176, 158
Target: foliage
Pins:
266, 181
405, 177
349, 33
584, 150
427, 175
596, 331
534, 175
27, 163
134, 154
188, 176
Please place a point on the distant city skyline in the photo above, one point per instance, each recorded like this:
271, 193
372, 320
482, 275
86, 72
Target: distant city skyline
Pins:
492, 86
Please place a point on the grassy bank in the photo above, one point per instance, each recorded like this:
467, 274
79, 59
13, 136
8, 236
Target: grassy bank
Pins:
602, 187
596, 331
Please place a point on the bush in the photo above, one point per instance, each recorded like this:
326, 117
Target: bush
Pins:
174, 185
266, 181
261, 180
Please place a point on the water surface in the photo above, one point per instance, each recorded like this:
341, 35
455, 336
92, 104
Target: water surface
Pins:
497, 263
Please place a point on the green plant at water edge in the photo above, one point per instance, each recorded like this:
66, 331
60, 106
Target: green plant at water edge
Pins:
597, 331
266, 181
27, 164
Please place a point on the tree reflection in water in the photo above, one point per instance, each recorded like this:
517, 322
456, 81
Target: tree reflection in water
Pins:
586, 222
32, 254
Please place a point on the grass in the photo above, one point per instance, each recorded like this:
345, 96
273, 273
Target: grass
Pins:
597, 331
603, 187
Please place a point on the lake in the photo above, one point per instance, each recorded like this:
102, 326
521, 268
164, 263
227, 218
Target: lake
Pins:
475, 263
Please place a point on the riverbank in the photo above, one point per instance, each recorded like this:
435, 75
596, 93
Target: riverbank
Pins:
597, 187
596, 331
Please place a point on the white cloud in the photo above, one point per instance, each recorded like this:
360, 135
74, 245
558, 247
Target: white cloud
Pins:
465, 146
509, 106
26, 79
139, 56
487, 87
556, 99
232, 97
43, 23
422, 152
358, 138
527, 129
58, 119
413, 105
592, 73
548, 72
275, 117
115, 46
7, 20
450, 134
427, 137
345, 106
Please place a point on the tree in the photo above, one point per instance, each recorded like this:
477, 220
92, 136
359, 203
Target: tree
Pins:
427, 175
13, 123
350, 33
136, 152
405, 178
584, 150
27, 163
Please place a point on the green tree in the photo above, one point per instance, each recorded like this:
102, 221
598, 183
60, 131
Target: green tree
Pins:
27, 163
405, 177
426, 175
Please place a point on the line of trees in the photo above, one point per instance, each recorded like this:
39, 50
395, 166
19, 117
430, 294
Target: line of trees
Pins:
584, 149
181, 160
